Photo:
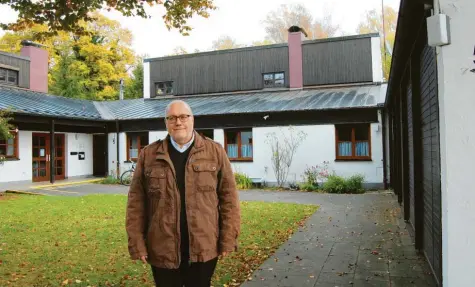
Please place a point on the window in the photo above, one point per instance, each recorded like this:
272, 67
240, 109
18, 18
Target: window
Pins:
274, 80
9, 77
135, 143
9, 147
353, 142
238, 144
206, 133
164, 88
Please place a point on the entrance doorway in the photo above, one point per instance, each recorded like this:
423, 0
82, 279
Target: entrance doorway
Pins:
42, 157
99, 150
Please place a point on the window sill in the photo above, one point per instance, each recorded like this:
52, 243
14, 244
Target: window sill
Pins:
130, 161
353, 159
241, 159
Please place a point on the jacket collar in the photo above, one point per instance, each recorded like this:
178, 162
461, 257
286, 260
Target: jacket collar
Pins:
164, 145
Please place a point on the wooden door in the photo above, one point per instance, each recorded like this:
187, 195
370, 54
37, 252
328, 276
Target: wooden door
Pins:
59, 158
41, 156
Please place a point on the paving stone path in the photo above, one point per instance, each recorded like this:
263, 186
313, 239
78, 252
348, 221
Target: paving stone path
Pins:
352, 240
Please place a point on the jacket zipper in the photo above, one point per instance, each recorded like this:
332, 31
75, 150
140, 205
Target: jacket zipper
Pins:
178, 241
186, 211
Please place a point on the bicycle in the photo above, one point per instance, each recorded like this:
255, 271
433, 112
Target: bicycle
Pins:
126, 177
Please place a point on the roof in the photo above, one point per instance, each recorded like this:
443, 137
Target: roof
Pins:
30, 102
349, 97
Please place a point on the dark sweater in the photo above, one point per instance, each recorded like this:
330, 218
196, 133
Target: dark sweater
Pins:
179, 163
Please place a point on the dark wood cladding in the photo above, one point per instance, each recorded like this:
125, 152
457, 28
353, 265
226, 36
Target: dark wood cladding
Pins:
257, 120
410, 162
432, 226
337, 62
21, 64
222, 71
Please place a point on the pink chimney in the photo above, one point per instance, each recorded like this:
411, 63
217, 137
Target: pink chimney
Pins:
296, 34
38, 65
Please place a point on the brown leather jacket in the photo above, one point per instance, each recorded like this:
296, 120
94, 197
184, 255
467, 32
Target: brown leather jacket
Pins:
153, 206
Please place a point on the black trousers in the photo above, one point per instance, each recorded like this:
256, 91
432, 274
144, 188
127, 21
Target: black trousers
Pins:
189, 275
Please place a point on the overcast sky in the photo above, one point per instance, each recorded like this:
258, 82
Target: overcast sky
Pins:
240, 19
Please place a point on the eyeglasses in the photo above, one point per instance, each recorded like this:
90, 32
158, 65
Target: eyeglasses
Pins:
183, 118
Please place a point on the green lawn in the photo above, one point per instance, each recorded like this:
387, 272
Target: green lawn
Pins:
81, 241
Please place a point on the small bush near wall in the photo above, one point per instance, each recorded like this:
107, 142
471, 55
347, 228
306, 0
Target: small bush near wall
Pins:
110, 180
242, 181
338, 184
313, 175
354, 184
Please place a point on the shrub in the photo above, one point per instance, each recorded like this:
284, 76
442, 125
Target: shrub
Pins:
294, 186
335, 184
308, 187
338, 184
354, 184
314, 174
110, 180
242, 181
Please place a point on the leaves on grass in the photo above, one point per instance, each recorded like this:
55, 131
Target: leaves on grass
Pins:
77, 238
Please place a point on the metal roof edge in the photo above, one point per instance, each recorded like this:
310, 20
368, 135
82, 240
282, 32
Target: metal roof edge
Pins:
341, 38
15, 56
215, 52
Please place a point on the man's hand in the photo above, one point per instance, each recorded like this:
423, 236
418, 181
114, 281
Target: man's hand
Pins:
224, 254
144, 259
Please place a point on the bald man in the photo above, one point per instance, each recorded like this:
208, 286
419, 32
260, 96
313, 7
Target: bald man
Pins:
183, 207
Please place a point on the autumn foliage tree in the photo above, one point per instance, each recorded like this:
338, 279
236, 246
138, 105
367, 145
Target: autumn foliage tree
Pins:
373, 23
278, 22
225, 42
86, 66
67, 15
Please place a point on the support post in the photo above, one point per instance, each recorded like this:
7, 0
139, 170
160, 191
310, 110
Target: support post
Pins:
52, 165
117, 145
106, 150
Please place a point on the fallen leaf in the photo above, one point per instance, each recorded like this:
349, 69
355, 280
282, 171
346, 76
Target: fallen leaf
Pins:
78, 281
65, 282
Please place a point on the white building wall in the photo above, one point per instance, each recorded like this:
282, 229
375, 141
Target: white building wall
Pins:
19, 170
377, 59
146, 80
219, 136
112, 154
457, 135
123, 161
76, 142
319, 146
156, 135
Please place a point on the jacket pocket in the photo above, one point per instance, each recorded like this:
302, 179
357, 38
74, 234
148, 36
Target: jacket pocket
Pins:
157, 180
205, 175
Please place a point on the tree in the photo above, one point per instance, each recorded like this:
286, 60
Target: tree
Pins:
373, 24
179, 50
279, 21
86, 66
67, 15
134, 86
262, 43
5, 128
283, 148
224, 43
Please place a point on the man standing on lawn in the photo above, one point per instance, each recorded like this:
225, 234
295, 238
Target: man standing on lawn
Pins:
183, 207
